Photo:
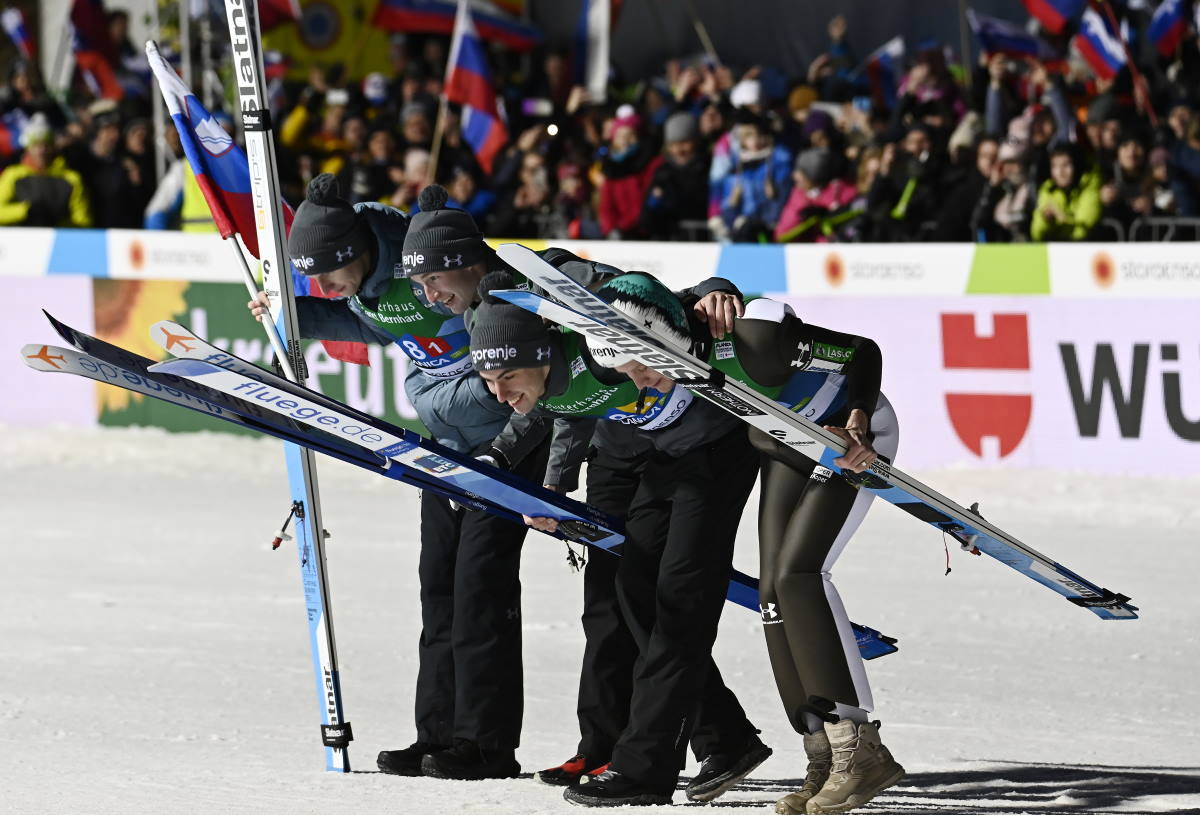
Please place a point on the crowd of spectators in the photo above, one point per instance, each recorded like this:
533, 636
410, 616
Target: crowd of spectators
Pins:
1008, 151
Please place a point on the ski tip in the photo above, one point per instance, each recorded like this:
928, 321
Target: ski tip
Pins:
43, 357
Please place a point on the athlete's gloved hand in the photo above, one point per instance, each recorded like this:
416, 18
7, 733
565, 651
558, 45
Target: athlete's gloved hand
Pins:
857, 435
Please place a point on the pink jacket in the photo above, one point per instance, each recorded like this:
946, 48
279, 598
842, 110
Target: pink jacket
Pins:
816, 203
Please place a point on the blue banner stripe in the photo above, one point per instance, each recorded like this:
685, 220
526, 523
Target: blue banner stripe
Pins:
79, 251
754, 268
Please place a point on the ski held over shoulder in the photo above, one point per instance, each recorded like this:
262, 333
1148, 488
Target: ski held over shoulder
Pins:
583, 311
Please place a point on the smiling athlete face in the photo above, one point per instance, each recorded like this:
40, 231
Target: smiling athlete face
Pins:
457, 289
519, 388
645, 377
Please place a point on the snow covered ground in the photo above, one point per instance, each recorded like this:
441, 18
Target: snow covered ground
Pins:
155, 653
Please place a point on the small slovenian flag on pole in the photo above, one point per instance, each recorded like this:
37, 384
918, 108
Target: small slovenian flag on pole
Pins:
996, 36
223, 175
1167, 26
1099, 45
469, 83
14, 23
1055, 15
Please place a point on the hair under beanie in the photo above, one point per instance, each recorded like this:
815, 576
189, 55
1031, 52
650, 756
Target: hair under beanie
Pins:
440, 239
504, 335
649, 303
327, 233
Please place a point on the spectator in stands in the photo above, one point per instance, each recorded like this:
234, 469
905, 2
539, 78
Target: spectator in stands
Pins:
111, 189
573, 202
679, 187
626, 169
1068, 203
752, 195
819, 203
416, 125
528, 211
40, 189
1185, 161
416, 177
25, 92
906, 198
139, 165
466, 194
965, 190
1160, 183
1126, 195
1005, 207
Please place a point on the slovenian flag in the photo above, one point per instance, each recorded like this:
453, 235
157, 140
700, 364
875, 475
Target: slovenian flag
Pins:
883, 68
592, 34
996, 36
438, 16
12, 125
14, 23
1100, 45
94, 51
469, 83
223, 175
1167, 26
1055, 15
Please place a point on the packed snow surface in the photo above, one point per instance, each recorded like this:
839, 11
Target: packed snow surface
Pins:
156, 657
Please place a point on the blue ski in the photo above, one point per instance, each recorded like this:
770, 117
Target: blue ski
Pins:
583, 311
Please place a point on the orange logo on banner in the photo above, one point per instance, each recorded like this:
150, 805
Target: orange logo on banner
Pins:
45, 356
835, 270
1104, 270
137, 254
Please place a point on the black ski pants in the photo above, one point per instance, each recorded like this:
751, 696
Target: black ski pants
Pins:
610, 650
671, 583
469, 679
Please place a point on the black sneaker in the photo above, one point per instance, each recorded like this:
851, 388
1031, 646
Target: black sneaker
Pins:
465, 761
611, 789
408, 760
569, 772
720, 772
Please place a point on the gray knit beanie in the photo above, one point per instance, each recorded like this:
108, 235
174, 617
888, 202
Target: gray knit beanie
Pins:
681, 126
327, 233
504, 335
441, 239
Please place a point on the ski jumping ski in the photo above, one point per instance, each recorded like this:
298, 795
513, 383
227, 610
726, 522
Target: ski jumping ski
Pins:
585, 312
221, 371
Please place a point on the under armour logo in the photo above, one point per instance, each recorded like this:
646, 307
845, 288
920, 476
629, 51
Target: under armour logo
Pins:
768, 612
347, 255
543, 353
452, 261
805, 355
513, 613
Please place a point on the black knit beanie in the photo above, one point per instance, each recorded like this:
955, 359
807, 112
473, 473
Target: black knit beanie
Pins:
327, 233
441, 239
504, 335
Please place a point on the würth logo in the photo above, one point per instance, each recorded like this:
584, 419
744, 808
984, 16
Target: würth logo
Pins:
976, 416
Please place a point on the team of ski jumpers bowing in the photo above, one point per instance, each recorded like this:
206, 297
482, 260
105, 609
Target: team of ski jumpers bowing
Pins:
491, 379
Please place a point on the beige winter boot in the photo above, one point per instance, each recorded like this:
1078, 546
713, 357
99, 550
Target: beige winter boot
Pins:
862, 768
820, 758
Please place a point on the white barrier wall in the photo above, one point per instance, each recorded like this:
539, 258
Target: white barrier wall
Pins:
1067, 356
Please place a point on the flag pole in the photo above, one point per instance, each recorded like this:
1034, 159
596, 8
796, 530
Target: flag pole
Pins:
439, 127
702, 33
1141, 91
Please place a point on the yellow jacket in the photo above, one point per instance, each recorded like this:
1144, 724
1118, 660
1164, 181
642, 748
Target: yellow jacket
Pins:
1080, 205
53, 197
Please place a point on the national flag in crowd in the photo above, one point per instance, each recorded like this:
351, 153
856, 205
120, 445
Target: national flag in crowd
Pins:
1099, 45
883, 68
274, 13
14, 23
1167, 26
223, 175
997, 36
469, 83
1056, 15
12, 125
438, 16
94, 51
592, 35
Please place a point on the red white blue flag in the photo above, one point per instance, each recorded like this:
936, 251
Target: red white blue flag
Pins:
996, 36
469, 83
93, 47
883, 68
592, 35
1055, 15
1167, 26
1099, 45
223, 175
438, 16
14, 23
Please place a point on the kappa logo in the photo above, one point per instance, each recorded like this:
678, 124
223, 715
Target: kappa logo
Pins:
346, 254
769, 615
448, 261
804, 356
303, 263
